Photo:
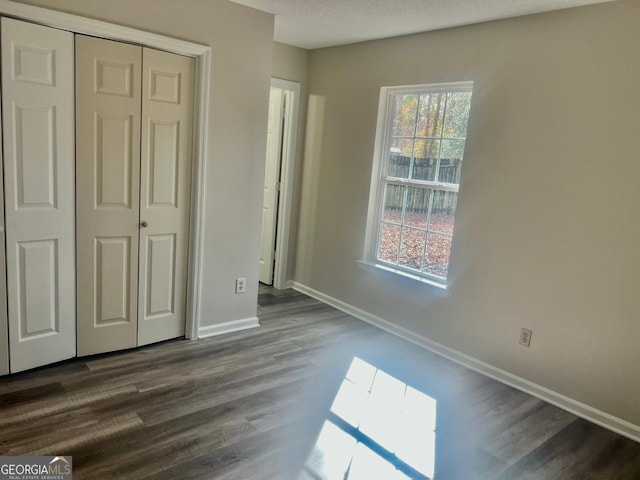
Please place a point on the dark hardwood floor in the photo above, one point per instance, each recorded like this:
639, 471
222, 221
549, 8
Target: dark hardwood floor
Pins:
310, 394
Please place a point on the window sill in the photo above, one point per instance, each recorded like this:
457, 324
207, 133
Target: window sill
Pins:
378, 267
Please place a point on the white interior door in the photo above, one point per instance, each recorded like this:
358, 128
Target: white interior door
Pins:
167, 117
108, 95
37, 98
271, 177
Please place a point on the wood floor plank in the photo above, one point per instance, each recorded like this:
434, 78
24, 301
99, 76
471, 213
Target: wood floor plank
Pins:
28, 395
25, 412
517, 441
566, 455
250, 405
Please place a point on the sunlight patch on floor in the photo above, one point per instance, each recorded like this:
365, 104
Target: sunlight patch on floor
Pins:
378, 427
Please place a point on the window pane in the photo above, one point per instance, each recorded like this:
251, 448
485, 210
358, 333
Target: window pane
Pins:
451, 154
443, 211
438, 253
455, 123
402, 147
451, 149
450, 171
412, 248
417, 210
431, 114
405, 108
425, 160
388, 243
400, 155
393, 200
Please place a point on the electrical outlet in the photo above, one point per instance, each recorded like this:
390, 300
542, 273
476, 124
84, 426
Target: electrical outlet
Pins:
241, 284
525, 337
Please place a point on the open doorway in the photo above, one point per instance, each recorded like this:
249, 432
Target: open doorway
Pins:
280, 156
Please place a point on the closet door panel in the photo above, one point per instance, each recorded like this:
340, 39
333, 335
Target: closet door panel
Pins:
108, 96
38, 140
167, 115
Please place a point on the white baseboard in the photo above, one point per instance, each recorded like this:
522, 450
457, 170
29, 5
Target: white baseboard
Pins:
284, 285
228, 327
580, 409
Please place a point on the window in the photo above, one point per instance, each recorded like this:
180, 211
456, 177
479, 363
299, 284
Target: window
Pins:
419, 151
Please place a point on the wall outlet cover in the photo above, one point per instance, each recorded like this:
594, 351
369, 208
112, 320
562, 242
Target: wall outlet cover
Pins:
241, 285
525, 337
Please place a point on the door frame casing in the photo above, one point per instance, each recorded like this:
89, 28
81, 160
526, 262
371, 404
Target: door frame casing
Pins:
271, 193
287, 171
202, 55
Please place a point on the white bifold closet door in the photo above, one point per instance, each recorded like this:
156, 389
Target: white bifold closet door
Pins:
165, 193
38, 140
134, 170
108, 93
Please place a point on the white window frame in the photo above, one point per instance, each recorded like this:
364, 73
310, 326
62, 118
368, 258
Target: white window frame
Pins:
378, 178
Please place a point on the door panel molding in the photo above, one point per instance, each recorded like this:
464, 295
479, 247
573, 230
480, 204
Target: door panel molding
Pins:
164, 145
25, 67
37, 189
113, 282
37, 287
114, 78
112, 127
161, 266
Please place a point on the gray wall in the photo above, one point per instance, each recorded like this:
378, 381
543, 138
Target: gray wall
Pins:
241, 41
547, 231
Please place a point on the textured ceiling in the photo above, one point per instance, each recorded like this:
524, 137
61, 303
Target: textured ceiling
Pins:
324, 23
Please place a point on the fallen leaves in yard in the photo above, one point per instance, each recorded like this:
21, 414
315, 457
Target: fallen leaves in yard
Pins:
412, 238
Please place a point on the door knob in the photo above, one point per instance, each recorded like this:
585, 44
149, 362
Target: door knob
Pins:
144, 224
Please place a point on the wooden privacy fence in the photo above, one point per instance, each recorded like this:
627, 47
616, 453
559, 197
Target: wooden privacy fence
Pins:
423, 169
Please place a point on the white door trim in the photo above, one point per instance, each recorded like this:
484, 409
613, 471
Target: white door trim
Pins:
202, 55
271, 192
287, 170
